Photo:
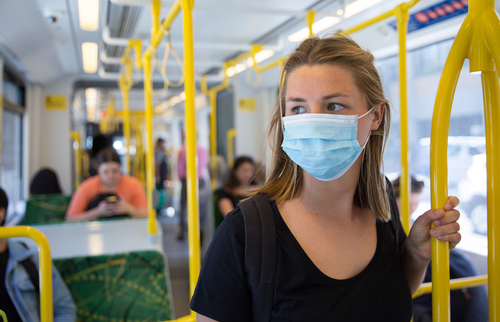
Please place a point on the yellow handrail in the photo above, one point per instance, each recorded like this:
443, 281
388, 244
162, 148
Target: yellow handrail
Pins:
75, 136
477, 40
46, 305
124, 88
455, 284
231, 133
401, 12
192, 171
3, 316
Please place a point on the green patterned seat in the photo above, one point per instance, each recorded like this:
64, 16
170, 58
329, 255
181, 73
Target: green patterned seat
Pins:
46, 209
118, 288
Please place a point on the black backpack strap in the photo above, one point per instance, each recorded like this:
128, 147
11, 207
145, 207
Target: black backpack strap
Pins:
260, 254
29, 266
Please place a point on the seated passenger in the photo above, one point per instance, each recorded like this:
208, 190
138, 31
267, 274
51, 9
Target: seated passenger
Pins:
109, 194
467, 304
45, 182
237, 186
19, 281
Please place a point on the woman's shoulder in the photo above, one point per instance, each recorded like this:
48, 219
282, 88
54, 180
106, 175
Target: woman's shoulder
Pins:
90, 183
235, 219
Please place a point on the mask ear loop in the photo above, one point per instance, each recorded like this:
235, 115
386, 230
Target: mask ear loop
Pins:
370, 134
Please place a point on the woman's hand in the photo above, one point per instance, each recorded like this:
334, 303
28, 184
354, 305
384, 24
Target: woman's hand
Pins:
104, 210
447, 227
121, 206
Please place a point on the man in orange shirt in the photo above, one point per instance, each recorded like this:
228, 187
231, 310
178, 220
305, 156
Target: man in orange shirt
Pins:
108, 194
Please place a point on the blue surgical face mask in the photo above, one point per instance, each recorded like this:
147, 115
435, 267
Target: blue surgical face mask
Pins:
324, 145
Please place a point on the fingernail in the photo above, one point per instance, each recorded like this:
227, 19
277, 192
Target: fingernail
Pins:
432, 232
436, 222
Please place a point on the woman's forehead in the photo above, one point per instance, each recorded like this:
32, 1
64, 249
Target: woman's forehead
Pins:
323, 80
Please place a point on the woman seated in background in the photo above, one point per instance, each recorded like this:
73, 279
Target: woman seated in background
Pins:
109, 194
237, 185
45, 182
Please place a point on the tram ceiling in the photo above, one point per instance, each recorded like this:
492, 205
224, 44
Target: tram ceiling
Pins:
49, 31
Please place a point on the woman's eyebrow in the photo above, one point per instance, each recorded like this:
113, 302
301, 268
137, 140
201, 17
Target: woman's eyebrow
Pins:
295, 99
327, 97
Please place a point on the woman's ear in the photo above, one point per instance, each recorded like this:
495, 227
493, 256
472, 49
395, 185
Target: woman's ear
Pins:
377, 115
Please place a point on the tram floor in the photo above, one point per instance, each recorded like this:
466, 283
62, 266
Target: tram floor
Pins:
178, 261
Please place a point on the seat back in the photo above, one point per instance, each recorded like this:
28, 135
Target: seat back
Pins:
46, 209
120, 287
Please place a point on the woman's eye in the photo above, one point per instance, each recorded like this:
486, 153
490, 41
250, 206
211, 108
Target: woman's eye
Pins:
298, 110
335, 107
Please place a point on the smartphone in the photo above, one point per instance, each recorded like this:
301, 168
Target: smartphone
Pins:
111, 199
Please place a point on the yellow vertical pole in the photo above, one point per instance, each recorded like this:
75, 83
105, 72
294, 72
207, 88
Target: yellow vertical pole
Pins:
439, 167
126, 113
310, 21
46, 303
192, 171
404, 180
230, 147
78, 157
213, 137
155, 7
492, 120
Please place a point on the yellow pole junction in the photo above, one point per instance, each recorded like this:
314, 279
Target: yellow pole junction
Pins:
476, 40
310, 21
75, 136
230, 147
46, 305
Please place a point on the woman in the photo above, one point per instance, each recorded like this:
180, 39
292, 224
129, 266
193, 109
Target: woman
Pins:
45, 182
237, 186
337, 258
109, 194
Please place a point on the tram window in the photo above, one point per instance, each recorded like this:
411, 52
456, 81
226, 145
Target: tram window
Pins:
466, 146
453, 150
11, 169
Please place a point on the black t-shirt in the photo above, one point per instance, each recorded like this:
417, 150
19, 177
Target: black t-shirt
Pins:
6, 304
235, 200
303, 293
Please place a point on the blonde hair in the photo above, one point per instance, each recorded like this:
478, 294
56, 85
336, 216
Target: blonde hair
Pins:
284, 180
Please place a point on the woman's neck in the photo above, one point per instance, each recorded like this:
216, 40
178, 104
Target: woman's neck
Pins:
110, 188
334, 198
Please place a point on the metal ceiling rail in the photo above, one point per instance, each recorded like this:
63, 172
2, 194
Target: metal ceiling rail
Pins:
118, 61
113, 41
234, 9
116, 76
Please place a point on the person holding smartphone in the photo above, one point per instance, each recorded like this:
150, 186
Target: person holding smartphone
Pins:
109, 194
